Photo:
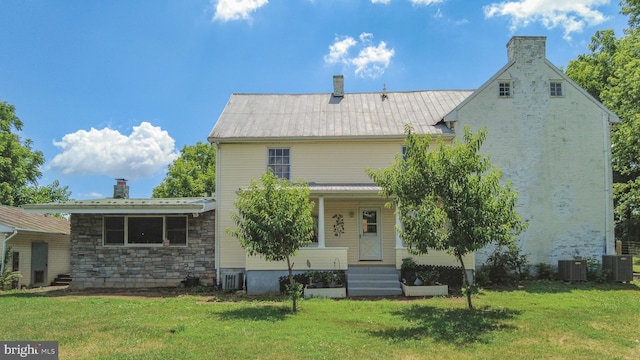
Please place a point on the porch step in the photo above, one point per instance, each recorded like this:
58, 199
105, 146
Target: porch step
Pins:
62, 280
373, 281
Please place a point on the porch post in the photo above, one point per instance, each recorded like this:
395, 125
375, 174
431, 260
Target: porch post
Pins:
321, 222
398, 225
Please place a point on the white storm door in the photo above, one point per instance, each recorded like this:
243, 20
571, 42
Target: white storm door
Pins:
370, 236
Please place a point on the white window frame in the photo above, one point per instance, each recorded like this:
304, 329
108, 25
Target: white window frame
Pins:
273, 166
126, 231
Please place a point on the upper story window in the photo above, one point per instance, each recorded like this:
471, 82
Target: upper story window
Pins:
145, 230
280, 162
555, 89
504, 89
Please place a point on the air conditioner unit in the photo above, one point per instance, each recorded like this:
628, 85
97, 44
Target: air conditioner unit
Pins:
620, 267
232, 281
572, 270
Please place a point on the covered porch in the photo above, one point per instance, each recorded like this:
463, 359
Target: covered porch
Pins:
353, 231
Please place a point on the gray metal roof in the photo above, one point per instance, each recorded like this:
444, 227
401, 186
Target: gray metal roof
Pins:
267, 117
340, 188
126, 206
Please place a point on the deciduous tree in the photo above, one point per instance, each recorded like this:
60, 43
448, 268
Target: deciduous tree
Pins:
192, 174
20, 166
274, 220
451, 198
611, 73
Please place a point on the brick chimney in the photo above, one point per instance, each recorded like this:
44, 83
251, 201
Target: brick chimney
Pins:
527, 48
121, 189
338, 85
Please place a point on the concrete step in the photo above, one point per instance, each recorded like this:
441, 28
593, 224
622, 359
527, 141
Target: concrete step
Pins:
373, 292
373, 281
364, 277
383, 284
359, 269
62, 280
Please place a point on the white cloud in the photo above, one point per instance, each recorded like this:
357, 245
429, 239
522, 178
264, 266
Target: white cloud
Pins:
227, 10
426, 2
570, 15
339, 50
147, 150
380, 1
372, 61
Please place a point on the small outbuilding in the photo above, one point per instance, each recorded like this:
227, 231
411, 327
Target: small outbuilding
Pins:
37, 244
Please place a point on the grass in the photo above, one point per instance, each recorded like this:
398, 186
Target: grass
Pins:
550, 320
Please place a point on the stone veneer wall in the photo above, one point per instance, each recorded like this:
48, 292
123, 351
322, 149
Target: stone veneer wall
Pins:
96, 266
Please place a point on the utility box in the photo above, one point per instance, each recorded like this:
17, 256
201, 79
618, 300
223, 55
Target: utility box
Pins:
572, 270
619, 266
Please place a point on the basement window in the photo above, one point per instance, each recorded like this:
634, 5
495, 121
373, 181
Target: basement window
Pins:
145, 230
555, 89
504, 89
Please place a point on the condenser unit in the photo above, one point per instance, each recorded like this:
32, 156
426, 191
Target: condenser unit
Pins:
232, 281
572, 270
620, 267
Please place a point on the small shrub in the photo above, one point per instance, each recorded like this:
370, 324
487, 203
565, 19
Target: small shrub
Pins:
428, 277
408, 271
8, 277
445, 275
546, 271
298, 278
595, 272
505, 266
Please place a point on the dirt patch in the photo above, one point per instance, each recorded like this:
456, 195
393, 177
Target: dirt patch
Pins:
119, 292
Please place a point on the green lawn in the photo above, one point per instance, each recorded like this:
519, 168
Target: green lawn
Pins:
537, 321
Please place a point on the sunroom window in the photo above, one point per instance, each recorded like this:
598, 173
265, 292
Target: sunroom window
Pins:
145, 230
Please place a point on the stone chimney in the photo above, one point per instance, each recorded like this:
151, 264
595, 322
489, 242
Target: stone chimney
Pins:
526, 48
338, 85
121, 189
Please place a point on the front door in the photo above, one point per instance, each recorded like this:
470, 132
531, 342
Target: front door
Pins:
370, 239
39, 263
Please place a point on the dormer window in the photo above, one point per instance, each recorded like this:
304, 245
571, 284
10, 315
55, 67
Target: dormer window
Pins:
504, 89
555, 89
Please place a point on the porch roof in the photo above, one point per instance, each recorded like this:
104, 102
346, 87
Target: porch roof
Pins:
345, 189
127, 206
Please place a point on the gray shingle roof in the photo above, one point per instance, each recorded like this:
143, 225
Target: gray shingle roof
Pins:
248, 117
17, 219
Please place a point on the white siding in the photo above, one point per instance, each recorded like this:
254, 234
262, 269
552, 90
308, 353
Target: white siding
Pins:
554, 150
58, 248
334, 162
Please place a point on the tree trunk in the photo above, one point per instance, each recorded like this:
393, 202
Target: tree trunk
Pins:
292, 287
466, 282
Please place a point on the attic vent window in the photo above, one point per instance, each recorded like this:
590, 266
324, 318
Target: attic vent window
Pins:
555, 89
504, 89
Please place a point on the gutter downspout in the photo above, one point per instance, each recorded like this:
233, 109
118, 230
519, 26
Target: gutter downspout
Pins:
4, 248
609, 246
217, 216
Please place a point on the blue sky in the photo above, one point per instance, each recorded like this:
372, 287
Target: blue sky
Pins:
110, 89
